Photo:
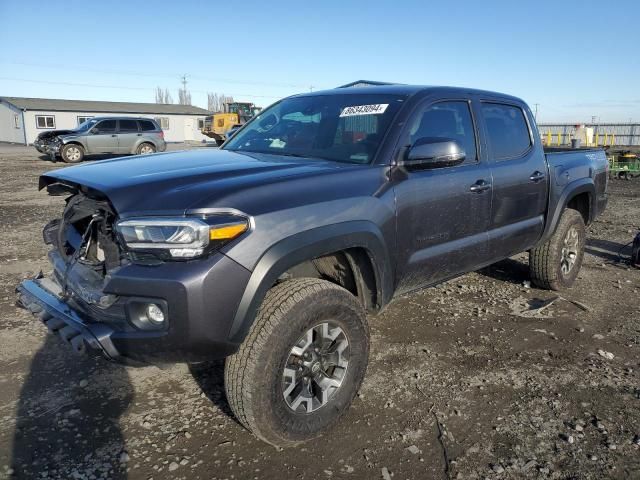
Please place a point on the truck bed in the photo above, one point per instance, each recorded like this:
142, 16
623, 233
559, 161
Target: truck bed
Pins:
576, 166
568, 149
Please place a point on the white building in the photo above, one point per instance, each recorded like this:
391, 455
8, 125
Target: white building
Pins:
22, 119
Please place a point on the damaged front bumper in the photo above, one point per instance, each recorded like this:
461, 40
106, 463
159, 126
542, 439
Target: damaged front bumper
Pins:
48, 148
43, 297
200, 308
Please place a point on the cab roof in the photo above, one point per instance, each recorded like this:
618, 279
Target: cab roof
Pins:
409, 90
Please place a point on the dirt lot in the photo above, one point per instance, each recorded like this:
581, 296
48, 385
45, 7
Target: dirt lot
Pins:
464, 381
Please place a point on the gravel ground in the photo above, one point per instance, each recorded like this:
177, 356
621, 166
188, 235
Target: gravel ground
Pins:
466, 380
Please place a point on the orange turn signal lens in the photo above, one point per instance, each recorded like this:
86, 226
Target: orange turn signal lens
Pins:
227, 232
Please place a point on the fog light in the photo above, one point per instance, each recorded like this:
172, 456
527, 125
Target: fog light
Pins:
155, 313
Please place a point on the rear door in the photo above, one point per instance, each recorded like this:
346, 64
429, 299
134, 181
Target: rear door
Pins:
128, 135
103, 137
443, 213
519, 172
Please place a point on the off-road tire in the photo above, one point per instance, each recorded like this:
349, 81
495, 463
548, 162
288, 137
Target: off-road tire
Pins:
67, 150
253, 376
146, 145
545, 261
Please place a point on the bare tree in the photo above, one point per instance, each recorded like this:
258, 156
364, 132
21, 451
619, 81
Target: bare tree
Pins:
163, 96
212, 102
216, 101
184, 97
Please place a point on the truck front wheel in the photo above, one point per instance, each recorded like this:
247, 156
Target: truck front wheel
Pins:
555, 264
72, 153
302, 362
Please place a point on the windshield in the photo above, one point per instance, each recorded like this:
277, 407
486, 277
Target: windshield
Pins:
86, 125
342, 128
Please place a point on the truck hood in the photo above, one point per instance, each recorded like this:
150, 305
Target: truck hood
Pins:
172, 183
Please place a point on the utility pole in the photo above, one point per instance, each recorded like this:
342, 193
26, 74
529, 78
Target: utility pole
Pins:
311, 87
185, 96
535, 115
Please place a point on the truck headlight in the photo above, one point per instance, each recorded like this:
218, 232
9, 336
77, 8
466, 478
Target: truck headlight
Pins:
181, 237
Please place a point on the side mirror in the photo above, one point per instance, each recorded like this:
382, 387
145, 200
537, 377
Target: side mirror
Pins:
434, 152
94, 131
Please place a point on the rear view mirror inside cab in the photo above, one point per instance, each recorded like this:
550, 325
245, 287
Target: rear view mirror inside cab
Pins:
268, 122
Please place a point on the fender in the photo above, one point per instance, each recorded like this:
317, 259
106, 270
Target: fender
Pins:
134, 149
73, 139
305, 246
572, 189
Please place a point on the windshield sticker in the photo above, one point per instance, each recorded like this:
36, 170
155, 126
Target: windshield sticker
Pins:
375, 109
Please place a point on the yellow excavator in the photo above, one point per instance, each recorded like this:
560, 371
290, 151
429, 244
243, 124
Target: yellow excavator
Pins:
235, 114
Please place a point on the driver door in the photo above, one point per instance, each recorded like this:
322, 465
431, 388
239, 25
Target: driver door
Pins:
443, 216
103, 137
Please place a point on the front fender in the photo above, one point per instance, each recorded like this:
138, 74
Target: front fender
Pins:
65, 139
561, 197
304, 246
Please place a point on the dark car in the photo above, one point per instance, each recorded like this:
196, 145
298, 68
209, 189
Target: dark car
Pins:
272, 250
99, 135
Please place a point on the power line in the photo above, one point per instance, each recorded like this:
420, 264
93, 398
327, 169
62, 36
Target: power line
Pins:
83, 69
120, 87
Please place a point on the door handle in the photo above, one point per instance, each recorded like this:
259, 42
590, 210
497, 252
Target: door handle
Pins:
139, 134
537, 176
480, 186
114, 135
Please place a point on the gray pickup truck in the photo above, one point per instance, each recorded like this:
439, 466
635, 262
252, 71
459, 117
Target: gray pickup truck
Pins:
273, 250
99, 135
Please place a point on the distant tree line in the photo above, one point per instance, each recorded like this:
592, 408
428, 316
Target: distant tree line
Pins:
215, 101
164, 97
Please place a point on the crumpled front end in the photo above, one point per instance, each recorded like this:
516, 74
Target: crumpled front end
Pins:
84, 254
137, 310
50, 143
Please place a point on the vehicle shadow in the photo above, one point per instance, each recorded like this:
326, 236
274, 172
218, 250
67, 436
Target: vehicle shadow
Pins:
608, 250
210, 378
67, 419
508, 270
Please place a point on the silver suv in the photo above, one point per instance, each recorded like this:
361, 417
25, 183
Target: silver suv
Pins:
119, 135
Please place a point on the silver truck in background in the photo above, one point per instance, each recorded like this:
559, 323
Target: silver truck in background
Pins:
98, 135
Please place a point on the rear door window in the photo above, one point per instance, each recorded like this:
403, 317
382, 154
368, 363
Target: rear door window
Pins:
128, 126
507, 130
147, 126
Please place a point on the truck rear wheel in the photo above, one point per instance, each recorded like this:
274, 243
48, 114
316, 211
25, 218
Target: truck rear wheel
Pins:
302, 362
555, 264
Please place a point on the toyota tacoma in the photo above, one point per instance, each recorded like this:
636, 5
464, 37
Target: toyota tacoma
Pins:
272, 251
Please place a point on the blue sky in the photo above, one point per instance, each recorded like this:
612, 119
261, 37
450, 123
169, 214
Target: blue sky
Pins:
575, 59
